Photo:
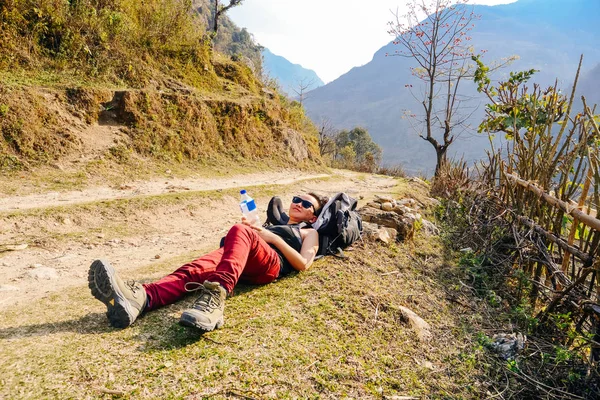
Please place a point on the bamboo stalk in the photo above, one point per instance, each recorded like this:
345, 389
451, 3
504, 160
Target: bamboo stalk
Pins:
562, 277
574, 212
584, 273
580, 204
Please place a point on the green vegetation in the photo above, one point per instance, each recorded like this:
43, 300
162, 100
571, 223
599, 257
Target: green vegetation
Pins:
354, 149
123, 42
149, 69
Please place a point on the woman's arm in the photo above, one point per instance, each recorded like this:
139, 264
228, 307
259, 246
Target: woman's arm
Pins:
303, 260
300, 261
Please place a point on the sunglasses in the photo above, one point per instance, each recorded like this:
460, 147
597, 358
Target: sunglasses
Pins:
305, 203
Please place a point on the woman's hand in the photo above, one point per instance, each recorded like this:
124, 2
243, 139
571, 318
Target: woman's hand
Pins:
265, 234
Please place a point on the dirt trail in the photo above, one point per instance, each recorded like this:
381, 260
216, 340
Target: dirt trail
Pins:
146, 188
170, 231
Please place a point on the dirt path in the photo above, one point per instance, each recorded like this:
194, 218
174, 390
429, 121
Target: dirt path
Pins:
169, 231
146, 188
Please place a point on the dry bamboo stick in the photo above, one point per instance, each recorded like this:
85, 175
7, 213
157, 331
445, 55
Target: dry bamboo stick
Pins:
574, 212
561, 276
582, 199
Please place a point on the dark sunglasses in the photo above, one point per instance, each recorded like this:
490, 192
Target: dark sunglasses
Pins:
305, 203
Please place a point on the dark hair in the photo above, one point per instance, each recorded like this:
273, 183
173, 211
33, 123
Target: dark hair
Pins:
322, 200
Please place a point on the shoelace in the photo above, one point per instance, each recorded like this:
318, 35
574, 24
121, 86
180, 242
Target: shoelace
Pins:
208, 300
133, 285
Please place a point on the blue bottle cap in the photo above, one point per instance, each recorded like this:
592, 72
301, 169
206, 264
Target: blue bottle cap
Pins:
243, 191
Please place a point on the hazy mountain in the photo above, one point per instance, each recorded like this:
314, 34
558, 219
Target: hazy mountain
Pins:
548, 35
290, 76
590, 87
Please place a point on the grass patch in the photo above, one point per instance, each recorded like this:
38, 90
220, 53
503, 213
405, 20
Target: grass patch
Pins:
332, 331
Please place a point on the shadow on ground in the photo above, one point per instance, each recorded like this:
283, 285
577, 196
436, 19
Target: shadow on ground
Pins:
93, 323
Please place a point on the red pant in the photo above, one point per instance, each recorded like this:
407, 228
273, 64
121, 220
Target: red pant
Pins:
244, 256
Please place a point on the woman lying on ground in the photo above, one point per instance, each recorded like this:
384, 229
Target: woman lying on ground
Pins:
250, 253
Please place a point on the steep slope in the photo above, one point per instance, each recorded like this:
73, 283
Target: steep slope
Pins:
137, 84
547, 35
289, 76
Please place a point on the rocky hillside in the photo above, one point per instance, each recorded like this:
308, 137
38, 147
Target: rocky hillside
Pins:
120, 82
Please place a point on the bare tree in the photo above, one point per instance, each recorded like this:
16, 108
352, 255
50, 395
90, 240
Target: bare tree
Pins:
221, 9
327, 133
302, 86
439, 45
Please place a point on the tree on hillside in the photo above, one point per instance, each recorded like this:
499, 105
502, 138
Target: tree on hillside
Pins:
326, 137
439, 46
356, 149
221, 9
303, 85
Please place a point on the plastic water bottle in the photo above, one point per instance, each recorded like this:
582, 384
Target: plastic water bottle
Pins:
248, 207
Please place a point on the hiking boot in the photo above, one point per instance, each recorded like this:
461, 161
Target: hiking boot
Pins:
124, 300
207, 311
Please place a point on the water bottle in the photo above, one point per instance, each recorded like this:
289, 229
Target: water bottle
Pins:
248, 207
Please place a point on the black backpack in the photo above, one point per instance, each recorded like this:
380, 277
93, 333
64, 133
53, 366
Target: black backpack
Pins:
338, 224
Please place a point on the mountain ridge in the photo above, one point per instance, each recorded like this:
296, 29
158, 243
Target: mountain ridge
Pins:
374, 95
288, 74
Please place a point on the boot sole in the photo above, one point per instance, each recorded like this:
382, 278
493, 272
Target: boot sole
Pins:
190, 321
102, 283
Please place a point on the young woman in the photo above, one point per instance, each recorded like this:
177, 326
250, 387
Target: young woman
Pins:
250, 253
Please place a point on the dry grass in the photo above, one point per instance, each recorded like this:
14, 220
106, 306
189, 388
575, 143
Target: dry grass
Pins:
332, 332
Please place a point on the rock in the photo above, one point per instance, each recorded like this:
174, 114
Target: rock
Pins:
383, 236
374, 205
8, 288
404, 226
67, 221
375, 232
410, 217
407, 202
400, 209
38, 271
387, 206
418, 324
393, 233
429, 228
508, 345
383, 199
370, 231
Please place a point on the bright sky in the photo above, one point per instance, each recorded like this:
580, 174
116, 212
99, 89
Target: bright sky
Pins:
327, 36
